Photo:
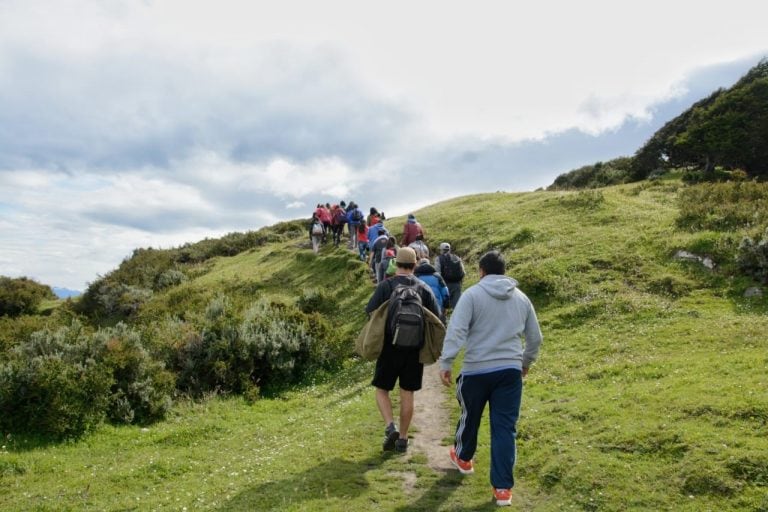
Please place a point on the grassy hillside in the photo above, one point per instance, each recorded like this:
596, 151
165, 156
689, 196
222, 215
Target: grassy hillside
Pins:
650, 393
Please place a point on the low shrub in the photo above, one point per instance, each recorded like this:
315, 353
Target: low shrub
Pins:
22, 296
63, 383
670, 285
169, 278
523, 237
540, 282
141, 387
752, 257
271, 344
108, 298
317, 301
52, 387
723, 206
16, 330
719, 246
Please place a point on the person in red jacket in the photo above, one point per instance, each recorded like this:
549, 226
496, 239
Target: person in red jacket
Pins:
410, 229
324, 214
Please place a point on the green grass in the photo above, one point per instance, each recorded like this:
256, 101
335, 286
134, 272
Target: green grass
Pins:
650, 393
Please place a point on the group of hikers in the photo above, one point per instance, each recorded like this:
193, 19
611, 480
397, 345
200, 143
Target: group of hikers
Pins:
418, 315
378, 247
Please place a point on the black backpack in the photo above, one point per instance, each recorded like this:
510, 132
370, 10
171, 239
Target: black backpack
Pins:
357, 216
450, 268
405, 318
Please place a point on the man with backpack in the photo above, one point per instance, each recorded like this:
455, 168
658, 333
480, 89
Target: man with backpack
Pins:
496, 325
451, 268
403, 338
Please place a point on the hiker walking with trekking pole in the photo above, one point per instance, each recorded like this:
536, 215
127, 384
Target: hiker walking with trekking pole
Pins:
496, 325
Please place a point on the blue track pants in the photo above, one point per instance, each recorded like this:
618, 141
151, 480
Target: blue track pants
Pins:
503, 391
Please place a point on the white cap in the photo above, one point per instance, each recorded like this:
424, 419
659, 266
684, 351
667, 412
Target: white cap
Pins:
445, 247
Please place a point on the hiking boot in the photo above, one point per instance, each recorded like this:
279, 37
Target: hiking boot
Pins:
465, 467
401, 445
503, 497
391, 436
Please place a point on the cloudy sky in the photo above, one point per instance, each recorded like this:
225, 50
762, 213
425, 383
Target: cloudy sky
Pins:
129, 124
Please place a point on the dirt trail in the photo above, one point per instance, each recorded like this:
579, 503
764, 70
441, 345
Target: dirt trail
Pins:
431, 421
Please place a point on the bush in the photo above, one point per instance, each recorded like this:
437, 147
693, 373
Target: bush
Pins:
63, 383
271, 345
51, 396
108, 298
723, 206
22, 296
540, 282
600, 174
317, 301
169, 278
52, 387
141, 387
752, 257
670, 285
16, 330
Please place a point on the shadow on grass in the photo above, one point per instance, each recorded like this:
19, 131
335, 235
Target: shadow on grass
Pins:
438, 493
336, 478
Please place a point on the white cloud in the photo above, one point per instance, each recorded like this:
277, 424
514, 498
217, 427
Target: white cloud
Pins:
127, 124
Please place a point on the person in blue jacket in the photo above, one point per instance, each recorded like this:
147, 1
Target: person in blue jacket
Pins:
355, 217
374, 231
427, 273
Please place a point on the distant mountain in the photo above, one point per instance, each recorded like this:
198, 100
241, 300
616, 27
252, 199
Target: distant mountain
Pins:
65, 293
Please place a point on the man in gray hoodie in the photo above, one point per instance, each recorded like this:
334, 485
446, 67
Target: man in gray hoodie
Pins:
496, 325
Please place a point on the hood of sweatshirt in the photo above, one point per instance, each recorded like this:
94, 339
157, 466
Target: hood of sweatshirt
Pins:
498, 287
424, 268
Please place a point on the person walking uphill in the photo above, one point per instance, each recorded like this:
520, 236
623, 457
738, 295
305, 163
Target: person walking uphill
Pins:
355, 217
411, 228
316, 232
396, 362
491, 321
451, 268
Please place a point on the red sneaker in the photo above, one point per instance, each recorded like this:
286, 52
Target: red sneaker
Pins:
465, 467
503, 497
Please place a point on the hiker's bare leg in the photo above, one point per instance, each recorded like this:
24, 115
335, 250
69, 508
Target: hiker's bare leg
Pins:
406, 412
385, 405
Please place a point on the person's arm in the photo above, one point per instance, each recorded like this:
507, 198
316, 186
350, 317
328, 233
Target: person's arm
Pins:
380, 295
533, 339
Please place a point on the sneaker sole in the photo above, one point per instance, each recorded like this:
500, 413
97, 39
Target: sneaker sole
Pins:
504, 503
